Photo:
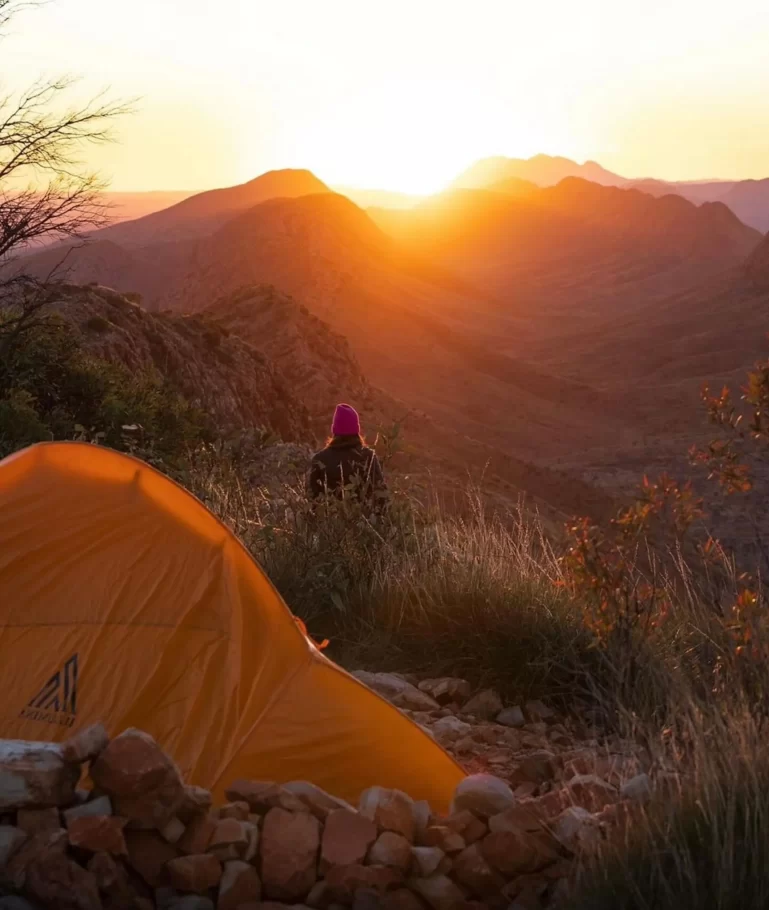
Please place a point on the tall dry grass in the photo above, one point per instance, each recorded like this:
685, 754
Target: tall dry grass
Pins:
705, 847
416, 589
480, 594
488, 596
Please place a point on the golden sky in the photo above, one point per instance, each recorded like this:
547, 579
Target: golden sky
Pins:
404, 94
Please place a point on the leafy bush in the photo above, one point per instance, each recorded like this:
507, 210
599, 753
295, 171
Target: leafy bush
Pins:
50, 388
20, 423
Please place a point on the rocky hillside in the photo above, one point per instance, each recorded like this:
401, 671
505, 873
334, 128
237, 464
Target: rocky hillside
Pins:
142, 838
549, 253
318, 361
236, 384
543, 170
202, 213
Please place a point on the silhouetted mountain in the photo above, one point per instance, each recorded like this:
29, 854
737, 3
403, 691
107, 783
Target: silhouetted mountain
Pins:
576, 248
203, 213
748, 199
319, 360
415, 329
544, 170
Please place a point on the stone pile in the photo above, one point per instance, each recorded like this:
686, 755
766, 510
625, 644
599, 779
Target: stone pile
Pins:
582, 785
141, 838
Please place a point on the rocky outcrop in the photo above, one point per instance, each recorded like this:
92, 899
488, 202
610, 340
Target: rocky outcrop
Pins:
141, 839
537, 796
318, 360
213, 368
34, 775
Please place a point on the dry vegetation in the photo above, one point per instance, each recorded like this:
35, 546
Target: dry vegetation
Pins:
647, 626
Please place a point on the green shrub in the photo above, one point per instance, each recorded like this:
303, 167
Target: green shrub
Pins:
20, 423
50, 388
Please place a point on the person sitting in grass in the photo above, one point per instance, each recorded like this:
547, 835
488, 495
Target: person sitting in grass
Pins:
346, 465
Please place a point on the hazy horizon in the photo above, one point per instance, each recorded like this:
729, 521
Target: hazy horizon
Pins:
404, 97
341, 186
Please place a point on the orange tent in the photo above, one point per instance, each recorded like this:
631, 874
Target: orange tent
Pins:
123, 599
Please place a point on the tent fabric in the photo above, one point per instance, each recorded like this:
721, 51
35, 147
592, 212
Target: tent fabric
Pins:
124, 600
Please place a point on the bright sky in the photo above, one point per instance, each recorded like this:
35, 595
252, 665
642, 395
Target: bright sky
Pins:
404, 94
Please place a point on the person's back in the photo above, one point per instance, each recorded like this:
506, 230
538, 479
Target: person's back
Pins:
346, 464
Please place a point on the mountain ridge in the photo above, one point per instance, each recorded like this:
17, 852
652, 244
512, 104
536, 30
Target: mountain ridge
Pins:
199, 214
542, 170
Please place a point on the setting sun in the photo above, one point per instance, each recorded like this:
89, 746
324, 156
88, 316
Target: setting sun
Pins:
404, 95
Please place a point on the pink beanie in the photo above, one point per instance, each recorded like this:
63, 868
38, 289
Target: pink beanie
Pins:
346, 421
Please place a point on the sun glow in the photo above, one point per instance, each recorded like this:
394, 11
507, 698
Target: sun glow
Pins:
403, 96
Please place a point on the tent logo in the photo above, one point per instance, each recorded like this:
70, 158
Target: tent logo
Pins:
56, 702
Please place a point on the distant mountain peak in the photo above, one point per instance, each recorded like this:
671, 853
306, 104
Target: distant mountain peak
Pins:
202, 214
290, 176
543, 170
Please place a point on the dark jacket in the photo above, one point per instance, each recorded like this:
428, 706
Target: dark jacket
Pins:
346, 461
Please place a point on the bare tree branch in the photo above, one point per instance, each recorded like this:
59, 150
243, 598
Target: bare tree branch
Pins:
9, 8
46, 194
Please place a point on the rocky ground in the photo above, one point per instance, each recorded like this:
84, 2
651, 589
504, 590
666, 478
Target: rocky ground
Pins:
538, 795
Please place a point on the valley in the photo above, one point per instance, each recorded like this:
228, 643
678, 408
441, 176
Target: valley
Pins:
541, 340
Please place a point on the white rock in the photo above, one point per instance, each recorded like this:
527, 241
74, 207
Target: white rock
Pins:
577, 829
449, 729
427, 859
439, 891
392, 810
172, 830
397, 690
386, 684
483, 794
35, 775
638, 788
511, 717
390, 849
485, 705
102, 805
570, 821
86, 744
447, 689
315, 797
